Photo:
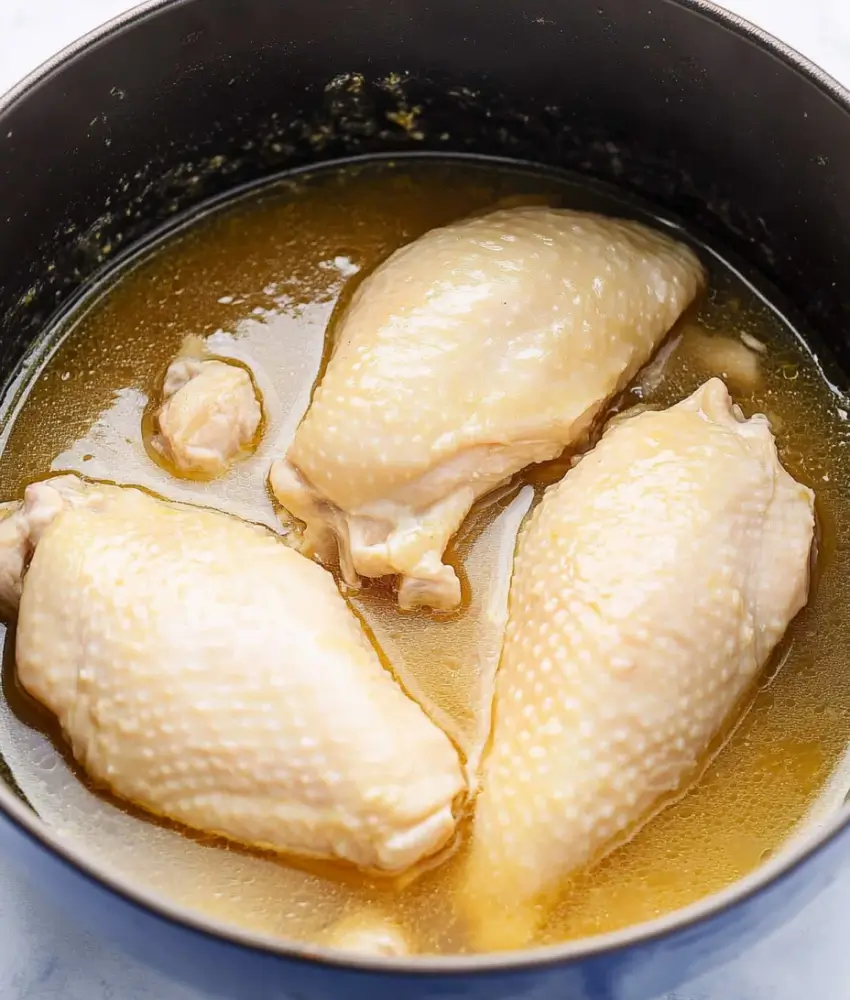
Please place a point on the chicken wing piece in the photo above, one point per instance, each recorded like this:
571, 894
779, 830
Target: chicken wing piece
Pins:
210, 415
650, 586
474, 351
205, 671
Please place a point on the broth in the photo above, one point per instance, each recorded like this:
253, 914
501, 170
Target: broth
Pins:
262, 277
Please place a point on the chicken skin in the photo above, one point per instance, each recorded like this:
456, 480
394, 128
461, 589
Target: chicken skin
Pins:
650, 587
476, 350
209, 417
207, 672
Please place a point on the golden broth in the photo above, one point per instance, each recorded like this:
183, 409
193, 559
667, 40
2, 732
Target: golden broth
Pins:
261, 277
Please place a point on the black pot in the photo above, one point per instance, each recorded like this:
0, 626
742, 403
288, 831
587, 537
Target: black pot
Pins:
183, 100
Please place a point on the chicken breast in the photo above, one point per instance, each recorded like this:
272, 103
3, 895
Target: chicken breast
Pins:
650, 586
474, 351
205, 671
210, 416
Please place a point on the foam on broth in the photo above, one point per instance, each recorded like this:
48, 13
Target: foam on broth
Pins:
261, 278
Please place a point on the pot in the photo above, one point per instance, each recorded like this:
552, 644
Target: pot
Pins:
181, 101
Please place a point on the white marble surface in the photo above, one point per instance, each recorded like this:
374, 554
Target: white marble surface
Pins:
43, 956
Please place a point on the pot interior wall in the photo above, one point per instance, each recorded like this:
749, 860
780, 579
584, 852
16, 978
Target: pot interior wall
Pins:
202, 95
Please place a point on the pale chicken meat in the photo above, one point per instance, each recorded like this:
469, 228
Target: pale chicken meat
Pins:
650, 587
207, 672
474, 351
209, 417
737, 359
368, 932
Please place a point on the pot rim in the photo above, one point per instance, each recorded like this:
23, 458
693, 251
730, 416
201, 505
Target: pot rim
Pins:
773, 871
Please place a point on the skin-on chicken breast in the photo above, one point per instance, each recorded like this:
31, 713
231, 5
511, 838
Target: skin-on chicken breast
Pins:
650, 587
476, 350
205, 671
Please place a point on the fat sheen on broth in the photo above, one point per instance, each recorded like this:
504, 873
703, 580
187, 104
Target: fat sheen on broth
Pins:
262, 278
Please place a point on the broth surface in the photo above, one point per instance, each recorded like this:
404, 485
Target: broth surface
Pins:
262, 277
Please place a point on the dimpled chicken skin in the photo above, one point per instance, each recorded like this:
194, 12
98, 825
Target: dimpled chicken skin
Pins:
650, 587
474, 351
205, 671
